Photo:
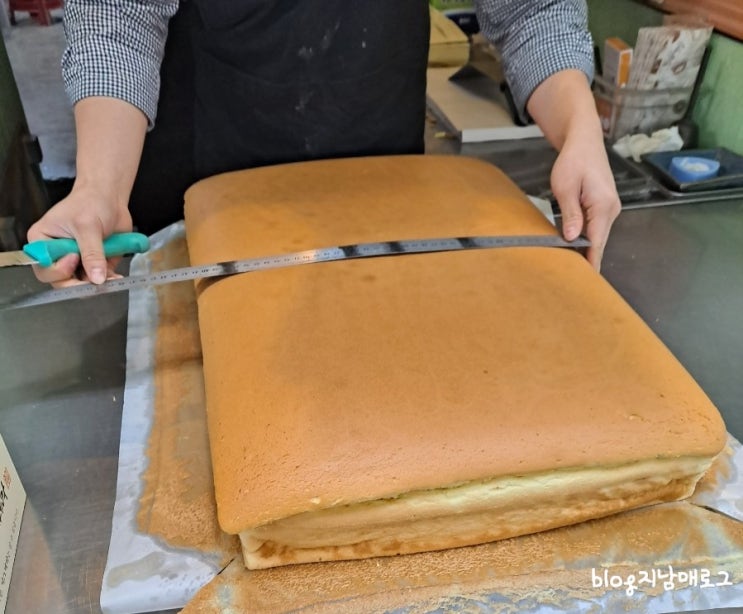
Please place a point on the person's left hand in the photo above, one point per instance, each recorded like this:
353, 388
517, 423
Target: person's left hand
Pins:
583, 184
582, 181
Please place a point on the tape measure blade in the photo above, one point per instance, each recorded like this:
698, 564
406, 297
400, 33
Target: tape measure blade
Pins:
328, 254
124, 284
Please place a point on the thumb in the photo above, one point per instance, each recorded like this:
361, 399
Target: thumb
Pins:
572, 215
90, 243
566, 188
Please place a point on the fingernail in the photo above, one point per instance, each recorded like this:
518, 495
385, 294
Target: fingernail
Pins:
571, 232
98, 275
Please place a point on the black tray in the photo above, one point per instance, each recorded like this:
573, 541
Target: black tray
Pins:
729, 176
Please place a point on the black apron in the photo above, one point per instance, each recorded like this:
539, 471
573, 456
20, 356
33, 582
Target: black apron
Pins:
256, 82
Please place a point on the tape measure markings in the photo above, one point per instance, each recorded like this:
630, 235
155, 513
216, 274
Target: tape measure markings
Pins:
328, 254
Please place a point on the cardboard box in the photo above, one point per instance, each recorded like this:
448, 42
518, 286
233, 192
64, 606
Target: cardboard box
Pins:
461, 12
12, 502
451, 5
617, 61
449, 46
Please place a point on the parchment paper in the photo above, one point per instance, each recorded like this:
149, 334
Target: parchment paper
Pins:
144, 574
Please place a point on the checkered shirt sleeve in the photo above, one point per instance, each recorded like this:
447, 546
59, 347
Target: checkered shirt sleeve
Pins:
537, 38
114, 49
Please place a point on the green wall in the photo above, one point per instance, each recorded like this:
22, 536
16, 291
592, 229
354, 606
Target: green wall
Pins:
620, 18
11, 112
719, 108
718, 111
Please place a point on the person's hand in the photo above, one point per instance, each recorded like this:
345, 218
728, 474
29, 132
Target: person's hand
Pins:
583, 184
581, 179
110, 134
88, 217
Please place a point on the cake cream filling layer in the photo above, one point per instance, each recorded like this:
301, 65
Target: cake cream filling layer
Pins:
484, 510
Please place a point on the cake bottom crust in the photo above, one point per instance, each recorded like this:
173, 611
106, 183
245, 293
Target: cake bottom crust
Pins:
467, 514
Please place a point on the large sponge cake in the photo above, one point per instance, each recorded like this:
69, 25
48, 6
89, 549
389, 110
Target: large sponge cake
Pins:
410, 403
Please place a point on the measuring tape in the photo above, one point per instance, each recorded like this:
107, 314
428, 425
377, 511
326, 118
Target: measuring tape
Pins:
313, 256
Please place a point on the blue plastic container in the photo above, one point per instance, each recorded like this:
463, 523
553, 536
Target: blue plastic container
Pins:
686, 169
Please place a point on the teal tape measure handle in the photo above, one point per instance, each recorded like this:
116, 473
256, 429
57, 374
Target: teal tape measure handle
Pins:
47, 252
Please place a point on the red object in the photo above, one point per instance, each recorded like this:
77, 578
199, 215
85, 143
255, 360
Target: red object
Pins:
38, 9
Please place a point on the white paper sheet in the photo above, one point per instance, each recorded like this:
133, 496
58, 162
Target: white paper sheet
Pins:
145, 575
727, 494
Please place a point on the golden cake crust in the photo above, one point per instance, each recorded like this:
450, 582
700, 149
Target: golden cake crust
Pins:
341, 382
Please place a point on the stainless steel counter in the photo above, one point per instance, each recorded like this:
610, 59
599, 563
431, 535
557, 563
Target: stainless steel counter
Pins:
62, 373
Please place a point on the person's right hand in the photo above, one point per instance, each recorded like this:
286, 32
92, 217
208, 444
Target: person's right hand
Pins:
88, 217
110, 133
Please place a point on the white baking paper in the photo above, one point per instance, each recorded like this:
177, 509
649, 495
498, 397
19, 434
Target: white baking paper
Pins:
726, 491
145, 575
